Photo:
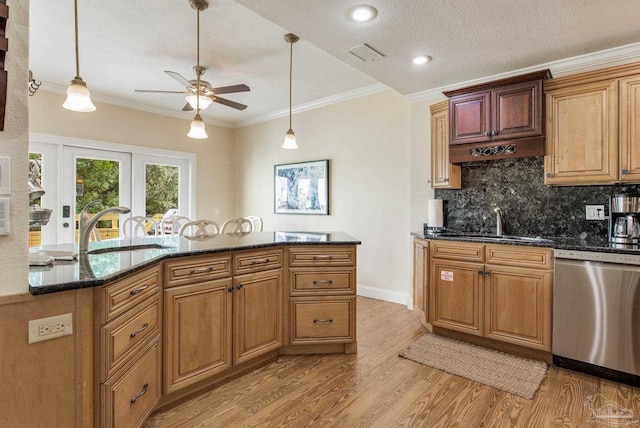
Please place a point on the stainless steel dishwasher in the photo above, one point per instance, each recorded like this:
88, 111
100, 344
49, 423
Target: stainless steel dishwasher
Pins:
596, 314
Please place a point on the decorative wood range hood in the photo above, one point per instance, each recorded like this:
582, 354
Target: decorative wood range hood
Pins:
497, 120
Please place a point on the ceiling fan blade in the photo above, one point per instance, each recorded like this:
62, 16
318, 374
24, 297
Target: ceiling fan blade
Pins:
229, 103
161, 92
231, 89
187, 107
179, 78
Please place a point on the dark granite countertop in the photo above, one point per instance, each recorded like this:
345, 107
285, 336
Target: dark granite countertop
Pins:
99, 268
563, 243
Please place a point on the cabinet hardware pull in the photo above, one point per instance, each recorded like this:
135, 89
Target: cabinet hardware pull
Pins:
322, 257
230, 289
255, 262
239, 286
201, 269
325, 320
137, 290
141, 329
625, 171
323, 281
145, 387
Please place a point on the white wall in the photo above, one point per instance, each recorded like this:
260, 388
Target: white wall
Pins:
13, 144
367, 142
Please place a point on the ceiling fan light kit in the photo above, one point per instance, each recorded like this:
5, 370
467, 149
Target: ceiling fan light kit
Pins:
78, 95
197, 129
290, 138
205, 101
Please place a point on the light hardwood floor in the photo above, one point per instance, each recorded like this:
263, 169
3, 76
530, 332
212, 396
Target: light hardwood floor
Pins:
376, 388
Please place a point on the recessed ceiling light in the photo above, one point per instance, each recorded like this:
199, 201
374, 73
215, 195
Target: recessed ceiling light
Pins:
422, 59
362, 13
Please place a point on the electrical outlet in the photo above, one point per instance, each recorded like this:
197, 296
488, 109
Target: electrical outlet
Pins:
50, 327
594, 212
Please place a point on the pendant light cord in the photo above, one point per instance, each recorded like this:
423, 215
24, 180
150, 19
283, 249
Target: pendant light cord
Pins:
290, 79
198, 63
75, 13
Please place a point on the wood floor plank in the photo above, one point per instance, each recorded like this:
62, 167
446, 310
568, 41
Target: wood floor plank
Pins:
377, 388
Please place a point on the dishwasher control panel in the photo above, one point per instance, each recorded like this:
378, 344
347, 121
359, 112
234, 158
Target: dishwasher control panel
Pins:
631, 259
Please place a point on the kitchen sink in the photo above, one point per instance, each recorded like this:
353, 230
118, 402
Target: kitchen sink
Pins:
492, 237
128, 248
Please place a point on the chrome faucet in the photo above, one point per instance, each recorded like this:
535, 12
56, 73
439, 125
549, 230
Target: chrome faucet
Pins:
498, 212
86, 225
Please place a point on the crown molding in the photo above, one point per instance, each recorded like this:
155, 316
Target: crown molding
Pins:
323, 102
50, 87
577, 64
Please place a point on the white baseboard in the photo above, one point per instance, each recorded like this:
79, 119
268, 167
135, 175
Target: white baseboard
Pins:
386, 295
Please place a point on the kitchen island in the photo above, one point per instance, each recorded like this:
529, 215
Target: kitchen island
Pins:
158, 319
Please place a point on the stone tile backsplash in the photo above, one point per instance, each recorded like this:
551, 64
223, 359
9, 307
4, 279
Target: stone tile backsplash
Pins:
529, 207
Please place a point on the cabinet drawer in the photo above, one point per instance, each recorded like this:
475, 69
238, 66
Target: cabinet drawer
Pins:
126, 335
511, 255
319, 320
322, 256
128, 399
196, 269
256, 261
322, 281
126, 293
461, 251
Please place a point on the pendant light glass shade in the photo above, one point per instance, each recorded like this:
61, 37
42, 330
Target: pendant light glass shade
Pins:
205, 101
197, 130
289, 140
78, 97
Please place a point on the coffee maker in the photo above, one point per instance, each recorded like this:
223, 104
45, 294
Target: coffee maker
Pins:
624, 219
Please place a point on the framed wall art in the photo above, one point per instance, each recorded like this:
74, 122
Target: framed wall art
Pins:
302, 188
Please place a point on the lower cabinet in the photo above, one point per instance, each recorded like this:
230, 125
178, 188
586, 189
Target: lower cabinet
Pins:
421, 278
317, 320
501, 292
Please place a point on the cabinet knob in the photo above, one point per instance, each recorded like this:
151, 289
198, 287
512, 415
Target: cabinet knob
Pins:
239, 286
480, 271
487, 272
230, 289
446, 180
495, 133
487, 134
548, 175
625, 171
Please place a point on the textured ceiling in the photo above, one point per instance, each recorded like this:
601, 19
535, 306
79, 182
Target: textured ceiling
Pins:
126, 45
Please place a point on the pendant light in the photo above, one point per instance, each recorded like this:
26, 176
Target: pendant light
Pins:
290, 137
198, 130
78, 96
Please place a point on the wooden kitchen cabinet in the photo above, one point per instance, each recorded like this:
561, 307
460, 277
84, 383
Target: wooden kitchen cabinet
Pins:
421, 279
500, 292
322, 289
128, 367
444, 175
592, 127
501, 111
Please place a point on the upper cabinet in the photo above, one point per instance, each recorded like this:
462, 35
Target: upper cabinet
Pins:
498, 119
592, 132
444, 175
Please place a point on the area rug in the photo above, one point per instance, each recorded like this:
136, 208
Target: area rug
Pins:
509, 373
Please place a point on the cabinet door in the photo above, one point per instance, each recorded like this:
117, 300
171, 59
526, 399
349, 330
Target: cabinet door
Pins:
517, 111
257, 308
456, 296
421, 278
630, 129
198, 332
443, 174
470, 118
582, 134
518, 303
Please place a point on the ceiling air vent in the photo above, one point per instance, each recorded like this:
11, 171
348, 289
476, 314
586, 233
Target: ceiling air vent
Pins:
365, 52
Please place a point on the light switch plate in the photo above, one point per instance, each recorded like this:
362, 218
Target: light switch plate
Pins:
4, 215
5, 175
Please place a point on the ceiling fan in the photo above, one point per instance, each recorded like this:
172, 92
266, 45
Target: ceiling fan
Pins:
207, 93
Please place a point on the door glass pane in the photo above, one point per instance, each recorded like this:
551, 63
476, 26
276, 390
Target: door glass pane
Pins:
35, 232
98, 180
161, 189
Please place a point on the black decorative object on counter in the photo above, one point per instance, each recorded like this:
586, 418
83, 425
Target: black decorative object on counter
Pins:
530, 208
